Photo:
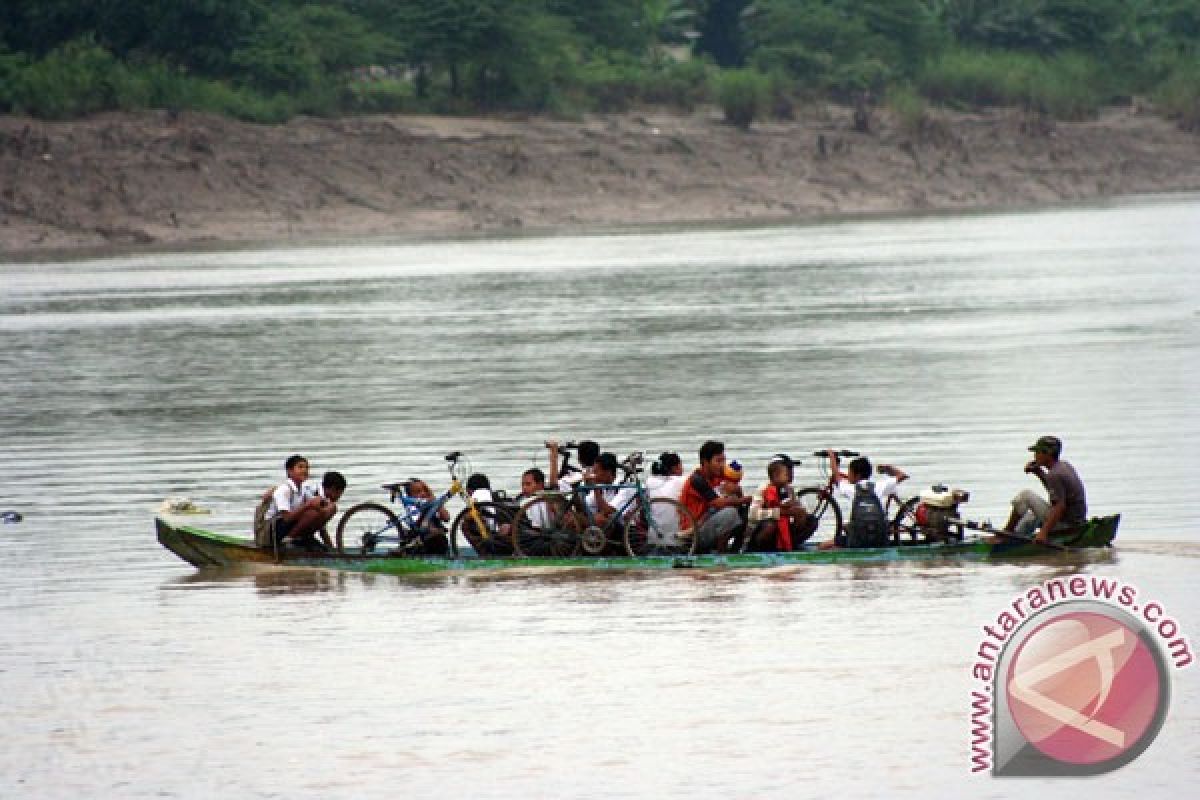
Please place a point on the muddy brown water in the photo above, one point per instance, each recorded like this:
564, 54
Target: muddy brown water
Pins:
943, 344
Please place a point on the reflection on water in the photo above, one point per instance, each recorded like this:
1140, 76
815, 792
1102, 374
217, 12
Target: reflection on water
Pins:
942, 344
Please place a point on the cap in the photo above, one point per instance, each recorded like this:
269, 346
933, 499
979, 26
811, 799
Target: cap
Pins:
733, 471
1048, 444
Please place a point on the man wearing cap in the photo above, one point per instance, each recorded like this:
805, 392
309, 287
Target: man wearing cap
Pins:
1067, 507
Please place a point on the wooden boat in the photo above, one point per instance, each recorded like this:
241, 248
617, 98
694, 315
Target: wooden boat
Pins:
206, 549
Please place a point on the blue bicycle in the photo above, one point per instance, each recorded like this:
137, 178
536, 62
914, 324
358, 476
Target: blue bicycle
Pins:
419, 529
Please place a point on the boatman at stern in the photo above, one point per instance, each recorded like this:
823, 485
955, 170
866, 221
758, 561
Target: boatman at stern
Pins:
1067, 506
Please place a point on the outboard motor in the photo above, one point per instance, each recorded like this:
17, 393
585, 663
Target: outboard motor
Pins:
937, 513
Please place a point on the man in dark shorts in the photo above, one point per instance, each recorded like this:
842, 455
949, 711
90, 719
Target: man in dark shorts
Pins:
1067, 506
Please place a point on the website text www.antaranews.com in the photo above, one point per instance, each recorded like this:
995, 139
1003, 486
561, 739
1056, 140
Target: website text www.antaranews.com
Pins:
1036, 599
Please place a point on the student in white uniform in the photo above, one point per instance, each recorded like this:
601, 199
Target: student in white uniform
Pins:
666, 480
859, 471
567, 479
533, 483
295, 512
606, 505
496, 540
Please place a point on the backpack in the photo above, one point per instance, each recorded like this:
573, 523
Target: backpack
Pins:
868, 525
264, 529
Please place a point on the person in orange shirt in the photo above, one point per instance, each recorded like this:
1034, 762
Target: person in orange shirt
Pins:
717, 517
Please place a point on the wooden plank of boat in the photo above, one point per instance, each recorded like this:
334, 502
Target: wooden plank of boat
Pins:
206, 549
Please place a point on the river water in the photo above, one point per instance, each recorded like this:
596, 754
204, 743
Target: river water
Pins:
943, 344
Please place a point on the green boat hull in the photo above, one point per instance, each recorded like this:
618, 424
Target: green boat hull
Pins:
205, 549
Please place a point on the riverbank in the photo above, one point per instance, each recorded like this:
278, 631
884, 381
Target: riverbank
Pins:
180, 179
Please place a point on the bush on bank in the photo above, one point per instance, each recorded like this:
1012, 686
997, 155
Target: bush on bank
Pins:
1178, 96
743, 95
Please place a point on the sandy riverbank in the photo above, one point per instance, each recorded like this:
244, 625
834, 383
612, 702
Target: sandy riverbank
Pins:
145, 178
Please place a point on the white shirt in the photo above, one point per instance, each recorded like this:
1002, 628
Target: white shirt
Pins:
538, 514
885, 487
288, 496
486, 496
568, 482
617, 498
669, 486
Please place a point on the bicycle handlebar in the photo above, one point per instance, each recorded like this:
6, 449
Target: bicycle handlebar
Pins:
839, 453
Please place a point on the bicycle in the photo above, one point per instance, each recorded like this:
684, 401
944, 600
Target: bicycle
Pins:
819, 501
560, 524
418, 523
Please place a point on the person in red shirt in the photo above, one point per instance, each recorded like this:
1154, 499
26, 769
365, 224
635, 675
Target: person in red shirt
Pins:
717, 517
778, 523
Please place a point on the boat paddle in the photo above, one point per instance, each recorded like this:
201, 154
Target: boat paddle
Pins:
986, 527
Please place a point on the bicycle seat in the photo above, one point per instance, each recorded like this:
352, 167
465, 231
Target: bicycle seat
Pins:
455, 456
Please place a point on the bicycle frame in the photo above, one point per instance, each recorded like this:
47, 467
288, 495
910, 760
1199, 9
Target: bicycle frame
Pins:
825, 499
428, 509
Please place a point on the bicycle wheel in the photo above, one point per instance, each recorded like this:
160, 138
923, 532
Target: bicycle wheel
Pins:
363, 524
546, 527
904, 523
487, 528
662, 527
824, 509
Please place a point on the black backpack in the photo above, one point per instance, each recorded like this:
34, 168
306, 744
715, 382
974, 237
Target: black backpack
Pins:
868, 525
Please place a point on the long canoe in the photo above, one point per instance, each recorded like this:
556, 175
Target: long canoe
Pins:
206, 549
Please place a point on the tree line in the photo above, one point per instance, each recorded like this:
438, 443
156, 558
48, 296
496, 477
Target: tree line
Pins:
266, 60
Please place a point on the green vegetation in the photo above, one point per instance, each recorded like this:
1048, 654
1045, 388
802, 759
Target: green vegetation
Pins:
909, 108
1179, 95
743, 95
267, 60
1067, 86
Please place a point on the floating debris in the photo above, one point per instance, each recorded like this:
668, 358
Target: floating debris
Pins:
181, 505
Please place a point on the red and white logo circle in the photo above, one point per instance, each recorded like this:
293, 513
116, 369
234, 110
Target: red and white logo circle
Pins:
1084, 688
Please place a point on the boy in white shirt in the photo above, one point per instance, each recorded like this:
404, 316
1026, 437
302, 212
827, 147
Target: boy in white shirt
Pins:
566, 479
606, 505
533, 483
296, 511
496, 538
858, 471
